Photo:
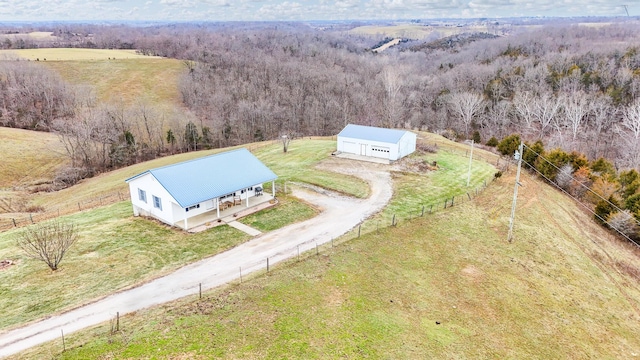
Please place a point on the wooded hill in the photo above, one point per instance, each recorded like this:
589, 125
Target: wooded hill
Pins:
569, 86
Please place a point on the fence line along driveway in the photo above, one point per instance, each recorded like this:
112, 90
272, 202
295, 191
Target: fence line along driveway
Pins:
339, 215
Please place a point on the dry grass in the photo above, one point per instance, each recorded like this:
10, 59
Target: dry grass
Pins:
444, 286
28, 158
74, 54
145, 80
411, 31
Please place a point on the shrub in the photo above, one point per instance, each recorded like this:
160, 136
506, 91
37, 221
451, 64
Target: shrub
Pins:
509, 144
493, 142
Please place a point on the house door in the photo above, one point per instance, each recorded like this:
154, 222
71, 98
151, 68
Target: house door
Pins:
363, 149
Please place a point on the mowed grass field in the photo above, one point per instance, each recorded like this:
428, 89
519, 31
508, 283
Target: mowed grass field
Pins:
117, 76
444, 286
116, 250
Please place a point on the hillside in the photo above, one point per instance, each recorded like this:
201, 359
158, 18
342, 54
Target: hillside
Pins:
446, 285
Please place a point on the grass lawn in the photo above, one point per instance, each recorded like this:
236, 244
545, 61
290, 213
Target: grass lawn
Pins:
117, 250
289, 210
443, 286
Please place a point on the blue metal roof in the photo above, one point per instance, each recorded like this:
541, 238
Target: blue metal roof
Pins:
372, 133
198, 180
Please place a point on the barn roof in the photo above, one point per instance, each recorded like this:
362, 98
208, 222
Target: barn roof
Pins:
208, 177
372, 133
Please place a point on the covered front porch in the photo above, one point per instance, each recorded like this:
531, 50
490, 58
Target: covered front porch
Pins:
231, 210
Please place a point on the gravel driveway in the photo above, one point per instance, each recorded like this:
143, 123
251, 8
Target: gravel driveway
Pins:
338, 215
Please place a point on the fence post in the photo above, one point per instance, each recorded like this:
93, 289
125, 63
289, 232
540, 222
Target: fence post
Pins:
359, 228
469, 196
118, 321
64, 347
298, 252
31, 217
453, 197
393, 221
240, 274
267, 264
200, 290
14, 222
79, 208
445, 203
317, 252
422, 210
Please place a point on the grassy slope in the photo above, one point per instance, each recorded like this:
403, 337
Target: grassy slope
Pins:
118, 250
28, 157
555, 292
143, 80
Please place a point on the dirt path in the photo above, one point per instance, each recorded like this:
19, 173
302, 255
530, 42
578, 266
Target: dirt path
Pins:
339, 215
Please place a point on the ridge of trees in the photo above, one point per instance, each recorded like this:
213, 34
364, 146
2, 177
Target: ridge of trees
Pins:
574, 87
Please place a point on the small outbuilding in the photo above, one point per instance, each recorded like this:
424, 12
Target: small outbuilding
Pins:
390, 144
185, 193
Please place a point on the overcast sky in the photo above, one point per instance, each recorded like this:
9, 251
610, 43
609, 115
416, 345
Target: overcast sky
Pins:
216, 10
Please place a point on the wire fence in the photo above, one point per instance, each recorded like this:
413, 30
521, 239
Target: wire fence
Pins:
25, 219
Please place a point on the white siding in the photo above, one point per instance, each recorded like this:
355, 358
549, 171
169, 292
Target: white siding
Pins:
407, 144
150, 185
391, 151
373, 148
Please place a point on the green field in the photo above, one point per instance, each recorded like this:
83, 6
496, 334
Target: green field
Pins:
444, 286
117, 250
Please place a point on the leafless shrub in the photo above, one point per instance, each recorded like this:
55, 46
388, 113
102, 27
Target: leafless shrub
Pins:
624, 222
69, 176
427, 148
48, 242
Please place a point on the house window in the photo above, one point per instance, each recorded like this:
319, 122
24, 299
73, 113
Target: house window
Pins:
157, 202
193, 207
142, 195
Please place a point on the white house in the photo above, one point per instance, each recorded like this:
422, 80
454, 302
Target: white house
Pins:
390, 144
176, 193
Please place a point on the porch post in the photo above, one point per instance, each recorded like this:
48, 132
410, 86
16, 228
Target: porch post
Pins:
186, 226
273, 188
218, 207
246, 192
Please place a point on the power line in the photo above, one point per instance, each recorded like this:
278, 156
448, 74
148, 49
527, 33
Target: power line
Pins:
617, 208
605, 221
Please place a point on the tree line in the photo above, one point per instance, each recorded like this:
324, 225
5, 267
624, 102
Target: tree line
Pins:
573, 87
614, 196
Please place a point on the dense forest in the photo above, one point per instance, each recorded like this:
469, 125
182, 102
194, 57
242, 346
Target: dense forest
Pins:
561, 86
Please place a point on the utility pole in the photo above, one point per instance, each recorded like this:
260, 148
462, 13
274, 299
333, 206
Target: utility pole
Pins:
517, 156
626, 9
470, 160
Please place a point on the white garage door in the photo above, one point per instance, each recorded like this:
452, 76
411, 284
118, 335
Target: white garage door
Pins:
350, 147
380, 151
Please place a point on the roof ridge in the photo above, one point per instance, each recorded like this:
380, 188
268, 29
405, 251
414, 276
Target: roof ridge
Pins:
197, 159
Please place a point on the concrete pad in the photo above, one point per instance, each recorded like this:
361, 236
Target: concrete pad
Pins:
244, 228
361, 158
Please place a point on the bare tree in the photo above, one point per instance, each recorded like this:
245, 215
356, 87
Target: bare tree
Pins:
629, 130
48, 242
466, 106
286, 139
575, 107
